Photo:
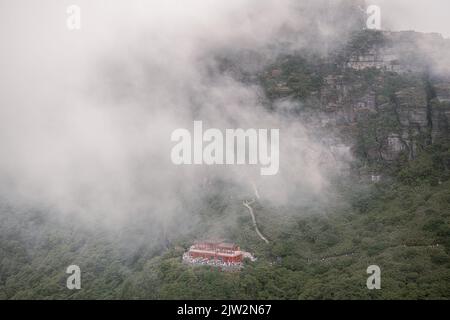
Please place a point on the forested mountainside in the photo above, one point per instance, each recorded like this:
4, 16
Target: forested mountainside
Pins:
381, 97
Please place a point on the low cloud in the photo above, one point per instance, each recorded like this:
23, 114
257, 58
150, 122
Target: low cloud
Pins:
86, 116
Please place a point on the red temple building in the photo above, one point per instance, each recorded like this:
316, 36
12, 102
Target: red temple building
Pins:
215, 251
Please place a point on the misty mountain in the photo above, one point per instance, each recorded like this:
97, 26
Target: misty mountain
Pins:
86, 176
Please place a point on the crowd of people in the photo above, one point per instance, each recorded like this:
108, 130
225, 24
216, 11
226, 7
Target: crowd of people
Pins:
187, 258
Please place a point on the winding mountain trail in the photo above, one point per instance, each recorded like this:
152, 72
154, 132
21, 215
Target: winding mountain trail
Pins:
248, 204
255, 190
355, 253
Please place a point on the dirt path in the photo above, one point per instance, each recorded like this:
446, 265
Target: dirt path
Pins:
248, 204
349, 254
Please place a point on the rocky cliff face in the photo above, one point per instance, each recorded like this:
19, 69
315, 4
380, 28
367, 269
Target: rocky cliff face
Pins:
384, 93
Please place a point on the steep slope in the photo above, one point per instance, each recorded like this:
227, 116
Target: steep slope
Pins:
391, 108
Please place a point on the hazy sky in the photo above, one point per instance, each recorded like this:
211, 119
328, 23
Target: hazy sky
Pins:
86, 116
419, 15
